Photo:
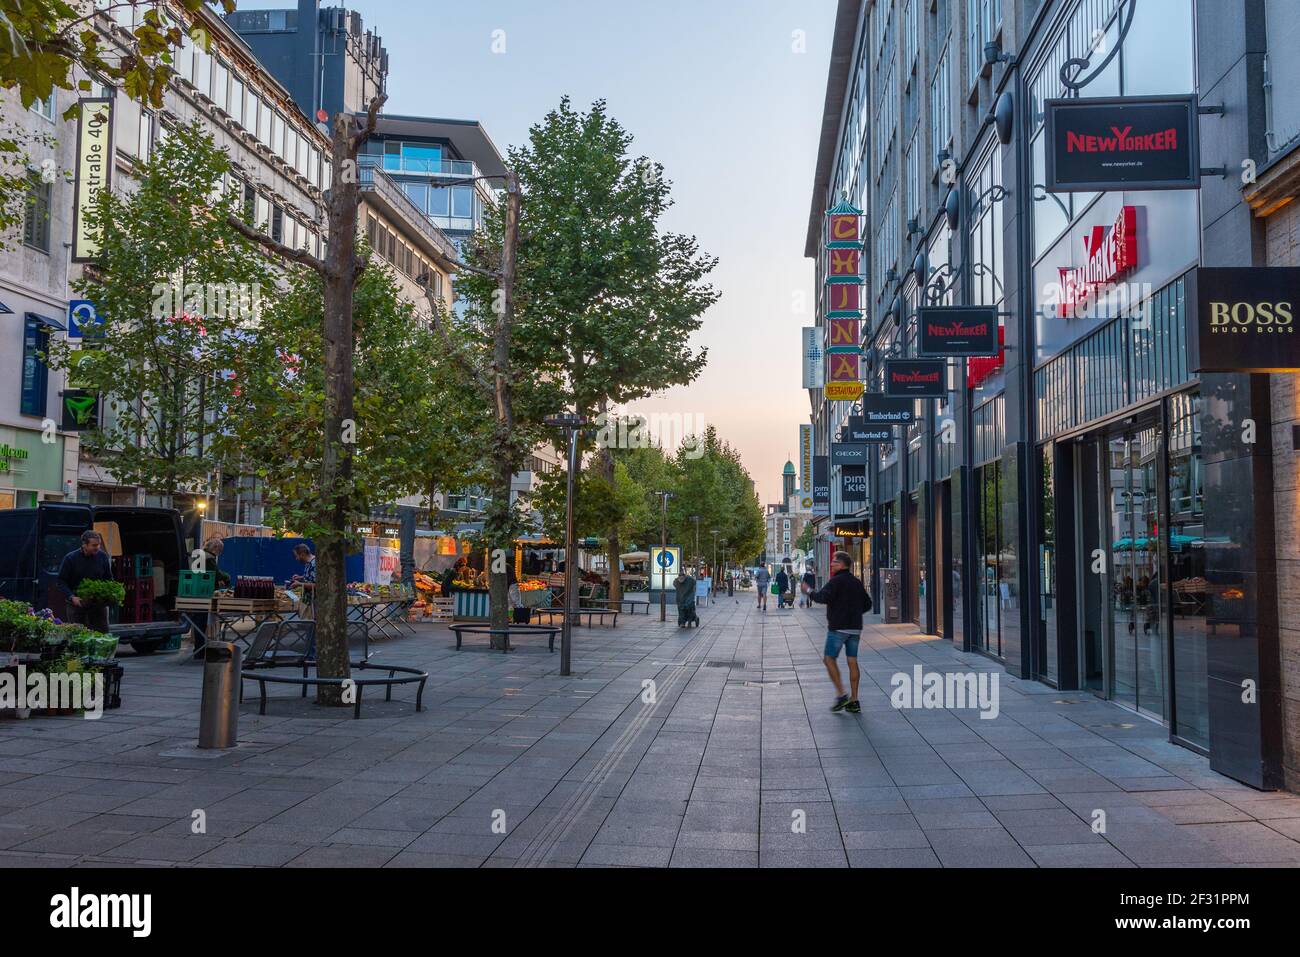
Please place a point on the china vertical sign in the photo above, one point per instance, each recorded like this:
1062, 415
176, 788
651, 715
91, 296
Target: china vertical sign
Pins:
844, 302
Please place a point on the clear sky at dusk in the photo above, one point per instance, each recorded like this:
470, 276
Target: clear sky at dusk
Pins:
727, 94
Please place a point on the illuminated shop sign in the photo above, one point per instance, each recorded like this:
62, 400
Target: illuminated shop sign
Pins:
1109, 255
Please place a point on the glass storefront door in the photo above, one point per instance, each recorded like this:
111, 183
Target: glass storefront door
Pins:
1188, 588
1136, 609
994, 594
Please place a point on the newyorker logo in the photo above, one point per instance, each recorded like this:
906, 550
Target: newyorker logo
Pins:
1109, 256
958, 330
1113, 143
1245, 319
1121, 141
915, 377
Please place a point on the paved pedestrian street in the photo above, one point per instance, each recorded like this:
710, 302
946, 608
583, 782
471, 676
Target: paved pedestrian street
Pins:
730, 758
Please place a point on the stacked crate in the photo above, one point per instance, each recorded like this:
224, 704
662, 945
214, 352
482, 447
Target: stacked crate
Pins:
135, 572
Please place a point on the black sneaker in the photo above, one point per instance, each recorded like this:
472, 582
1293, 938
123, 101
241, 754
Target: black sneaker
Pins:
841, 703
853, 707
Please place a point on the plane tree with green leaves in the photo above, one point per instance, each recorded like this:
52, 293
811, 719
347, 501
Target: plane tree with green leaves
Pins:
608, 300
176, 290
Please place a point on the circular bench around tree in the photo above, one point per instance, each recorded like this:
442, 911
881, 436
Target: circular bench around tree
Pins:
397, 675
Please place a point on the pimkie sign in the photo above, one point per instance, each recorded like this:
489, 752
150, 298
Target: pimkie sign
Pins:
916, 378
958, 330
1108, 257
1113, 143
1245, 319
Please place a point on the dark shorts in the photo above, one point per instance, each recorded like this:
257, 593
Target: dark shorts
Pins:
835, 640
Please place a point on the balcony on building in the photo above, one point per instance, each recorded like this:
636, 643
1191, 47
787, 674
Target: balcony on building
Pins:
390, 198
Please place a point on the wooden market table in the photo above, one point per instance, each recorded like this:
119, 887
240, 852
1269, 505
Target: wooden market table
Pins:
226, 612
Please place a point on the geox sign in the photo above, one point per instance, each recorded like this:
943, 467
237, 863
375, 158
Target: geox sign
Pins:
1113, 143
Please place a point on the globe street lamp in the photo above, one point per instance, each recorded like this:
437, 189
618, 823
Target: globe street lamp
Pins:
572, 424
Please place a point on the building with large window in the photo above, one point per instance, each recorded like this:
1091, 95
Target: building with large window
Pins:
1082, 506
281, 167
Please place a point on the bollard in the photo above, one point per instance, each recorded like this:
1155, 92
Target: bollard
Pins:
219, 711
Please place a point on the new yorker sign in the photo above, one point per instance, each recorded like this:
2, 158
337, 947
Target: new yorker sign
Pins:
1245, 319
1113, 143
915, 378
958, 330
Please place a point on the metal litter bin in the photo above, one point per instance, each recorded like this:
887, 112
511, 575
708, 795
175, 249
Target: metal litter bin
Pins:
219, 711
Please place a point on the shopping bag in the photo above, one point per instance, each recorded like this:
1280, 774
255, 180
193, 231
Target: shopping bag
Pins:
775, 589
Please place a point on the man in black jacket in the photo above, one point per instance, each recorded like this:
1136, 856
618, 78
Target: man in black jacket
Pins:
846, 600
88, 561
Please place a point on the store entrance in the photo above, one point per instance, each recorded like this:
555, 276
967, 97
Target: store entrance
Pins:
1124, 610
915, 579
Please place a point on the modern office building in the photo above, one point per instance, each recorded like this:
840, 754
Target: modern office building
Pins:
329, 62
1085, 506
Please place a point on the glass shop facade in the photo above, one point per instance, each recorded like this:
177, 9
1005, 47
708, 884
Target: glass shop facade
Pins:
1050, 510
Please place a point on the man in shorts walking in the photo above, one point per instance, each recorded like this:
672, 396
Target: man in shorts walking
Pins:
846, 600
762, 579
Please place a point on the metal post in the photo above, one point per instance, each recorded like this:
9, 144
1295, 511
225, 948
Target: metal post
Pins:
663, 544
570, 581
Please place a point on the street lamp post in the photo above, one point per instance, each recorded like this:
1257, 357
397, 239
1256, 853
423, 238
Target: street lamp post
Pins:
714, 533
572, 424
663, 544
696, 520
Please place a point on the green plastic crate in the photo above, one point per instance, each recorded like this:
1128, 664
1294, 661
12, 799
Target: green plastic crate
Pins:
197, 584
143, 566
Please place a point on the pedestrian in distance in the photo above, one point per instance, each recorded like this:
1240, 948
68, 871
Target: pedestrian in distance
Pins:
782, 586
846, 601
684, 594
762, 579
810, 584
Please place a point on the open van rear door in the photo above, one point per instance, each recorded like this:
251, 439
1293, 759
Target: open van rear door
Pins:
58, 531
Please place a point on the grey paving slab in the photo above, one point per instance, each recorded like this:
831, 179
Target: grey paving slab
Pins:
512, 765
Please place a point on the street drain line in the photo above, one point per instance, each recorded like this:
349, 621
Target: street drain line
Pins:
540, 848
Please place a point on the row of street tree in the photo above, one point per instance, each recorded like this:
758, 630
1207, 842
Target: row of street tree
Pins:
338, 393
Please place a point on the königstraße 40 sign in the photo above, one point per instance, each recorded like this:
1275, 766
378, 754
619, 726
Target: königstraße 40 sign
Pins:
1112, 143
